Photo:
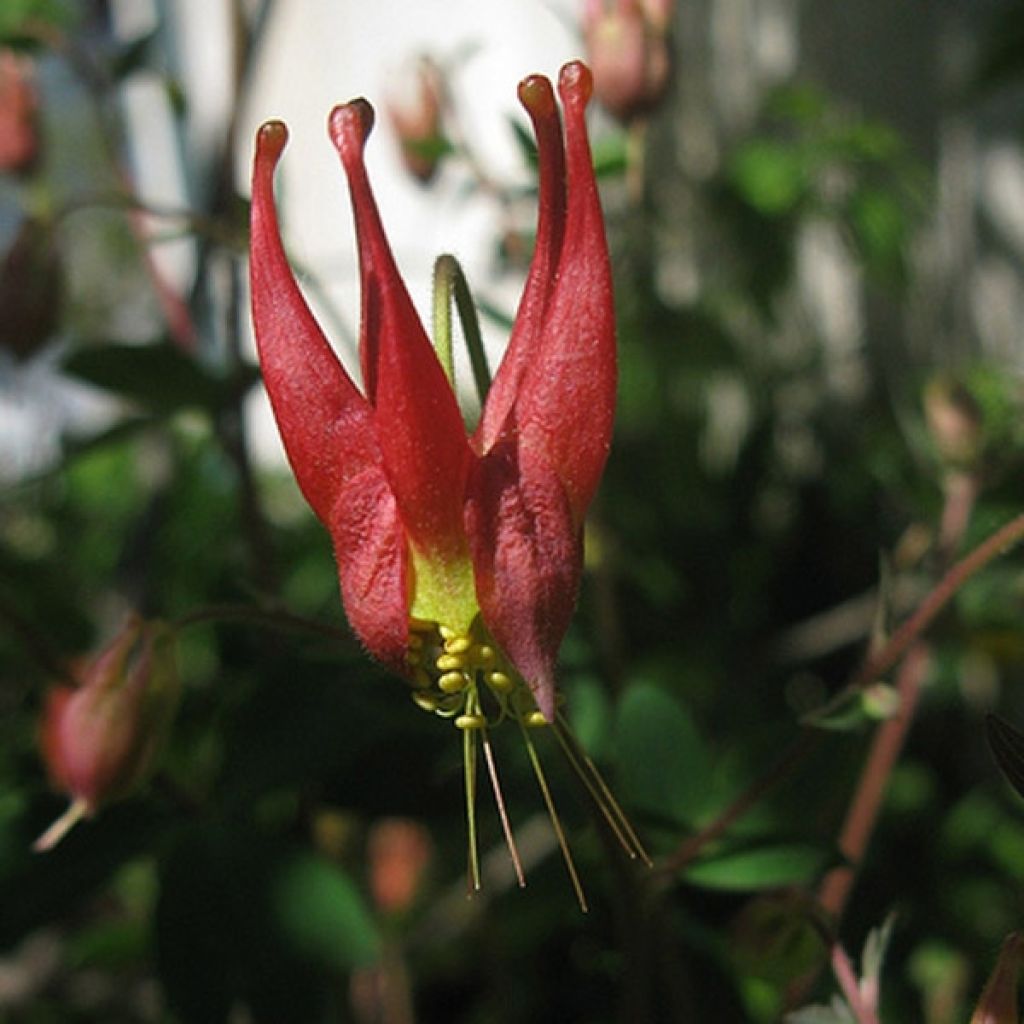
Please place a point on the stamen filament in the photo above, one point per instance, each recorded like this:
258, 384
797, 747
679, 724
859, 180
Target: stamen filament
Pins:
499, 799
469, 771
600, 793
556, 824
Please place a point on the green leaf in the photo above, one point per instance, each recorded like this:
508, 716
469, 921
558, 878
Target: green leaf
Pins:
133, 56
769, 175
159, 377
230, 927
323, 915
526, 142
15, 14
761, 867
611, 156
663, 765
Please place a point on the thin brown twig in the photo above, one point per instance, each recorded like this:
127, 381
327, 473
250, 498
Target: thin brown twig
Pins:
933, 603
886, 746
693, 845
899, 643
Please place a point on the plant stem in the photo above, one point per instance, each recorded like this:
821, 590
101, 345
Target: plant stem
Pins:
688, 850
248, 614
899, 643
450, 283
863, 811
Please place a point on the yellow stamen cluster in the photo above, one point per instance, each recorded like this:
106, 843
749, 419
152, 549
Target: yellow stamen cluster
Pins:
448, 668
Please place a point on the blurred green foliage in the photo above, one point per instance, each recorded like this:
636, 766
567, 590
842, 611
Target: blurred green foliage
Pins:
733, 586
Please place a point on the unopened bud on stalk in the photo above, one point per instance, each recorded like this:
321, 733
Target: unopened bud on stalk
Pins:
955, 421
100, 738
416, 110
628, 52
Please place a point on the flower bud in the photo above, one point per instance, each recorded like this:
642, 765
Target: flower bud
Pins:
31, 285
628, 52
100, 738
19, 131
998, 1003
955, 421
399, 851
416, 114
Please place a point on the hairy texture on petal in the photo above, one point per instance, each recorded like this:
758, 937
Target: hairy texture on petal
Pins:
527, 555
567, 398
422, 437
372, 566
325, 423
537, 96
328, 430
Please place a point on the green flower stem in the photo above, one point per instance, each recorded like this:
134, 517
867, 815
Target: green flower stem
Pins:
450, 283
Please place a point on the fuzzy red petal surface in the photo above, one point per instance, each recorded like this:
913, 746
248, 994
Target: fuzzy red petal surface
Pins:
422, 437
527, 558
328, 429
372, 566
538, 98
567, 395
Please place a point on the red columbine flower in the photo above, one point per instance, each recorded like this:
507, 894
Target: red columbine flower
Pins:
459, 556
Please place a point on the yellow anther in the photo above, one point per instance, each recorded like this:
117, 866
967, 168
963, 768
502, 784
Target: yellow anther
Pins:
484, 654
452, 682
458, 644
470, 722
448, 662
535, 720
447, 633
421, 679
500, 682
425, 701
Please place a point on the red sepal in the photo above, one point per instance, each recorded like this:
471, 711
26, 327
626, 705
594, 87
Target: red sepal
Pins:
328, 429
422, 437
527, 558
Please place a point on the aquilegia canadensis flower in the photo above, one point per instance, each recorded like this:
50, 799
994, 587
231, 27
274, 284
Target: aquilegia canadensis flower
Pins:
459, 555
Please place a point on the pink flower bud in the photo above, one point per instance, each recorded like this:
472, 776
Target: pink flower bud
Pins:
100, 738
628, 52
19, 134
416, 112
955, 421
